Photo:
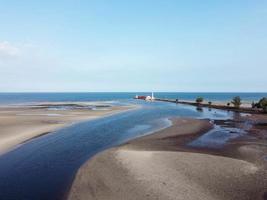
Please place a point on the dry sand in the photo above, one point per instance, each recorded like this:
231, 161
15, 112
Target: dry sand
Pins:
21, 123
151, 167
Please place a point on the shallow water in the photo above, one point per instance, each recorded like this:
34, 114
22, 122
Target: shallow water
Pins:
44, 167
217, 137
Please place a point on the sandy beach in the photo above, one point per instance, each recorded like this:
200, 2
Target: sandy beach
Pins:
21, 123
160, 166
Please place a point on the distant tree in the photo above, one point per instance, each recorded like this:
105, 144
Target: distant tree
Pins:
199, 99
257, 105
263, 104
236, 101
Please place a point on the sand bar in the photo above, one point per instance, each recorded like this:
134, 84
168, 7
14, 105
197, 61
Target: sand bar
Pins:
23, 122
158, 167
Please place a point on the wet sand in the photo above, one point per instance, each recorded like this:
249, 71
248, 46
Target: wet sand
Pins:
161, 166
21, 123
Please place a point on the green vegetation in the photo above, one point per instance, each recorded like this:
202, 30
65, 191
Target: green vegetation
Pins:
262, 104
236, 101
199, 99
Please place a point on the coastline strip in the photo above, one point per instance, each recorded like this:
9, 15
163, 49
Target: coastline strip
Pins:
216, 106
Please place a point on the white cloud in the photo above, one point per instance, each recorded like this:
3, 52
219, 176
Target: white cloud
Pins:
8, 50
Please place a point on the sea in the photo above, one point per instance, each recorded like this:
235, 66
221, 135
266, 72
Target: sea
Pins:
20, 98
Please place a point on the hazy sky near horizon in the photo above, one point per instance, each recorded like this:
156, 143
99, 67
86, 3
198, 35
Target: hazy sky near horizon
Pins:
140, 45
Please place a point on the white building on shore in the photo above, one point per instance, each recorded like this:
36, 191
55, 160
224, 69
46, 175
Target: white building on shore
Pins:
150, 98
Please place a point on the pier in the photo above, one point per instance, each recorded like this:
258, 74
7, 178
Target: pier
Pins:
216, 106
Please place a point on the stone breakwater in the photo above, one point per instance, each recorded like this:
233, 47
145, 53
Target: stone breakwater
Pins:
216, 106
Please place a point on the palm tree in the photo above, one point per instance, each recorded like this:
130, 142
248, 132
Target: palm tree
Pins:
199, 100
236, 101
263, 104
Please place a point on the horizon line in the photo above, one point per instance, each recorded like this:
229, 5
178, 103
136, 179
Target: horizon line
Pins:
131, 92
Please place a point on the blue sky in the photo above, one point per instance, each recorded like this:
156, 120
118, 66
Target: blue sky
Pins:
139, 45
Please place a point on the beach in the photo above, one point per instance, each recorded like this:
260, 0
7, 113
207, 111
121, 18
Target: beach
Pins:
21, 123
159, 151
161, 166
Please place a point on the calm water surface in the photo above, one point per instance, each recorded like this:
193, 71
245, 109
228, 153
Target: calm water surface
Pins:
44, 168
14, 98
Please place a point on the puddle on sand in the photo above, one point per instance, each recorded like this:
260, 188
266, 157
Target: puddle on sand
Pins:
217, 137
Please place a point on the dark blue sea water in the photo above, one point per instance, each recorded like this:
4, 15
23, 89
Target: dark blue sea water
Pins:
15, 98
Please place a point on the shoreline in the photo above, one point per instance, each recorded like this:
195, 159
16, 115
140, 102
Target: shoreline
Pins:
159, 166
218, 105
20, 124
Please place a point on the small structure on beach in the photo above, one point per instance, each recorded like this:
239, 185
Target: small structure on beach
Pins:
140, 97
147, 98
150, 98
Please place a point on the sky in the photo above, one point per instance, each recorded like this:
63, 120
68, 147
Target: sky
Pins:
140, 45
